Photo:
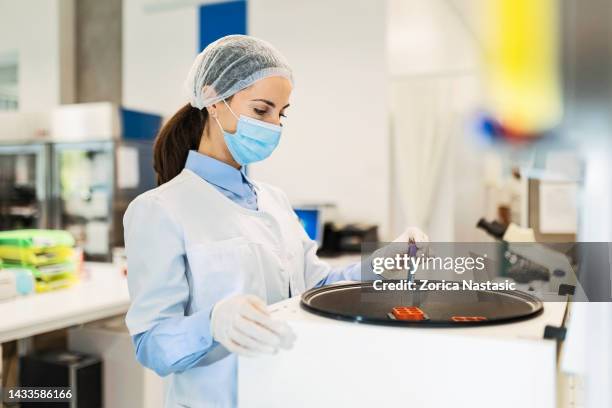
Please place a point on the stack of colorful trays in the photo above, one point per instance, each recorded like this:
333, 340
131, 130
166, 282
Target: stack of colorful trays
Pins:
47, 254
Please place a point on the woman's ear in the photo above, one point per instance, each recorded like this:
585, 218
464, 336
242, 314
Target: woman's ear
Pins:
207, 93
212, 110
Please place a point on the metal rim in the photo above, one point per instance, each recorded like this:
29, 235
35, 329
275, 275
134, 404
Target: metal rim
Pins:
535, 303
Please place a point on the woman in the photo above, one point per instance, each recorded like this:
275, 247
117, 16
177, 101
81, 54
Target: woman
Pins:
209, 248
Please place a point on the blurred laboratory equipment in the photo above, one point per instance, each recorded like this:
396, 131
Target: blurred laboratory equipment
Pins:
535, 189
119, 259
333, 238
101, 160
548, 269
81, 373
23, 185
76, 168
504, 232
24, 175
347, 238
313, 218
553, 208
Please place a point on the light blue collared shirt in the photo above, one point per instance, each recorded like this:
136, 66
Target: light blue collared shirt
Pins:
179, 343
229, 181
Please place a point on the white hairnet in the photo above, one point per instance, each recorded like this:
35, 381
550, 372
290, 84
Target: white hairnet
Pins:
229, 65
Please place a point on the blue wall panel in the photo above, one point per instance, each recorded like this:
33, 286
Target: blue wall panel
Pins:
138, 125
220, 19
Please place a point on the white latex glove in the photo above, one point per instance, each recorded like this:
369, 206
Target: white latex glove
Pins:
243, 325
412, 241
412, 234
416, 237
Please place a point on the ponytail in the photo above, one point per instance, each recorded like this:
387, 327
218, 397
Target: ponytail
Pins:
179, 135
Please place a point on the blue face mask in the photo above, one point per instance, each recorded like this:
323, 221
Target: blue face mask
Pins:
253, 141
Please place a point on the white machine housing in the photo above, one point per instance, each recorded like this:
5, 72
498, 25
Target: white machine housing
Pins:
338, 364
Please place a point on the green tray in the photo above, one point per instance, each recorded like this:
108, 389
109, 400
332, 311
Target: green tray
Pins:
36, 238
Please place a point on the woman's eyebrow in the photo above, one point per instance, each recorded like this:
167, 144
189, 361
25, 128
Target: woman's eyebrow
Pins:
270, 103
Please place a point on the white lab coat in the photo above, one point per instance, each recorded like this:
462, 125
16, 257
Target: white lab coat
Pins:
189, 246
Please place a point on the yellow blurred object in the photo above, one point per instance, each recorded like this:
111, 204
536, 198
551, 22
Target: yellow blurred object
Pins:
47, 255
64, 281
522, 63
51, 272
36, 256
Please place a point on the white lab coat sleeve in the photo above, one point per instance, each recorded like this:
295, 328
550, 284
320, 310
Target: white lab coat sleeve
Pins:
155, 252
315, 269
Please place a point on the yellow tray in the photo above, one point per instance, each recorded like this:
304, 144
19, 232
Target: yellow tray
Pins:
36, 256
47, 286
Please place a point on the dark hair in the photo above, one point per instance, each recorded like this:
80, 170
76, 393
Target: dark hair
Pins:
179, 135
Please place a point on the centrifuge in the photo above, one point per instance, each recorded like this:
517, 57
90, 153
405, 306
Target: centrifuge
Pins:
360, 347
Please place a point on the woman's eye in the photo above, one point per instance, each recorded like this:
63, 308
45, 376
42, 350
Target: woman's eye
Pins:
260, 112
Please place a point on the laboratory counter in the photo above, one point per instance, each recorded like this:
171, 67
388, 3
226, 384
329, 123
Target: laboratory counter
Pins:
102, 293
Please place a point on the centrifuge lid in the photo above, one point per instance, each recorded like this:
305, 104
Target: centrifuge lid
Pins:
360, 302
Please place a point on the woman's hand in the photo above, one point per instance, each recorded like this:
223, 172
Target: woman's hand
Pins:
417, 241
412, 235
412, 242
243, 325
